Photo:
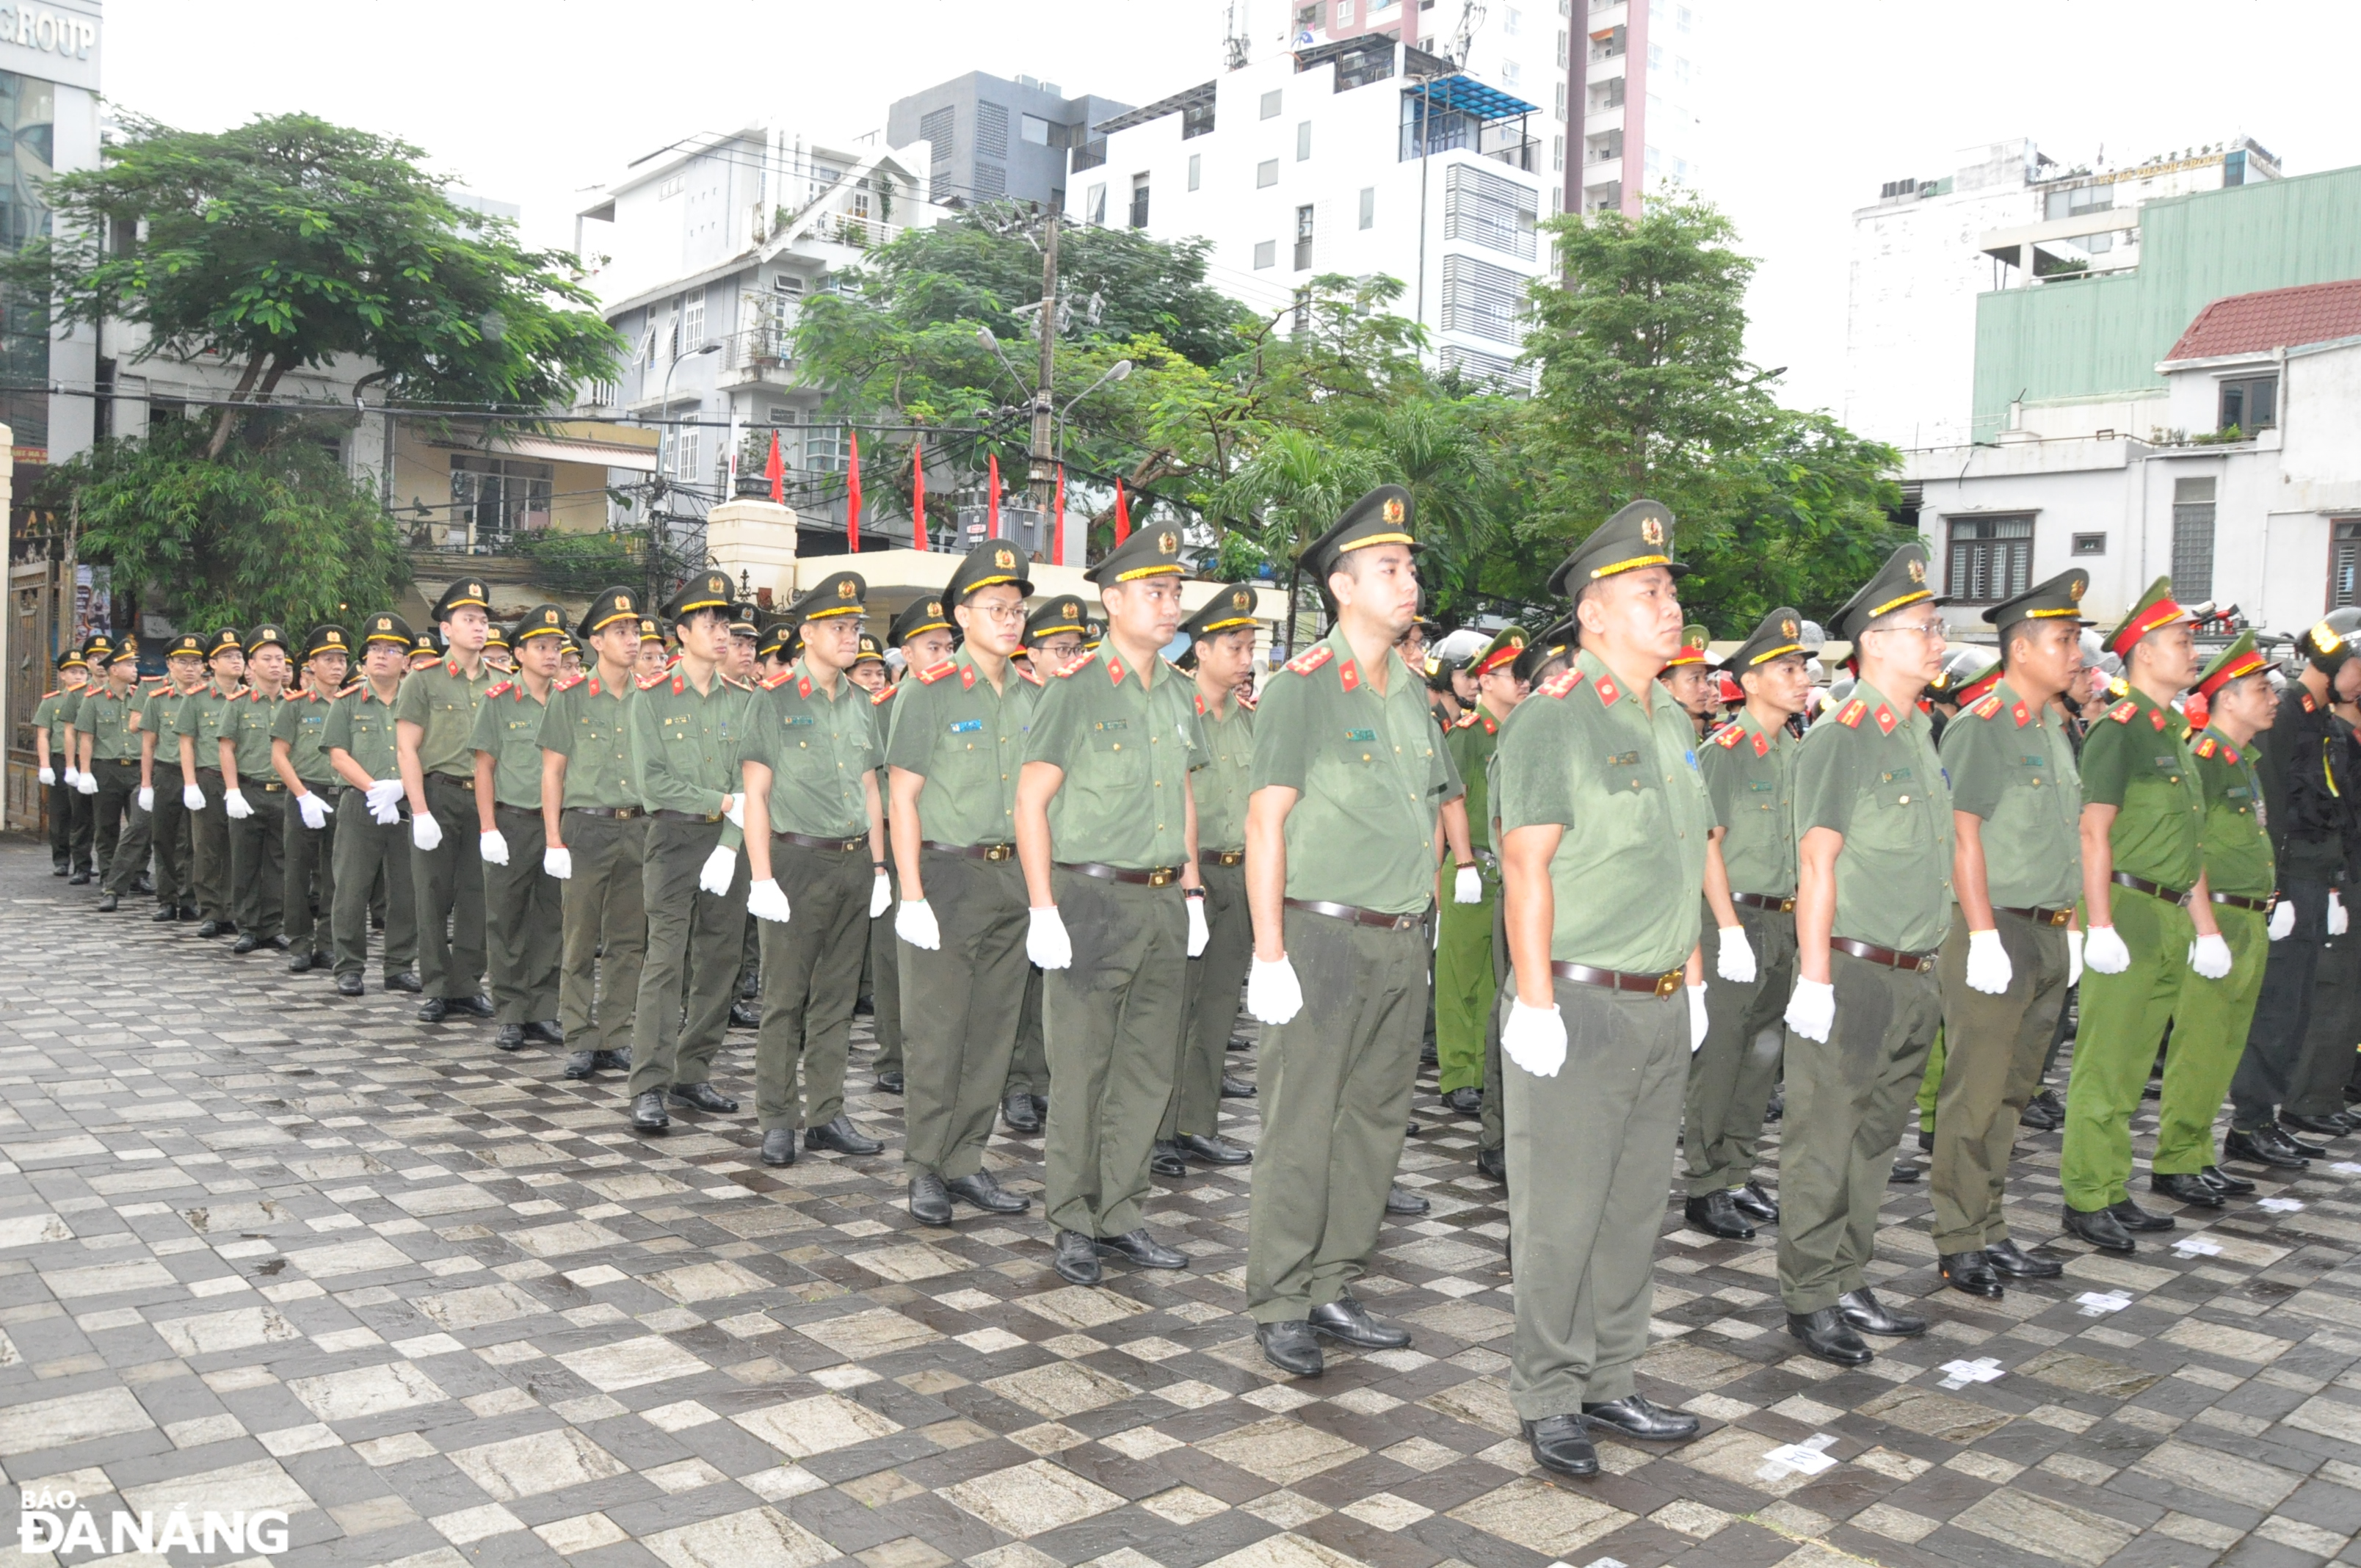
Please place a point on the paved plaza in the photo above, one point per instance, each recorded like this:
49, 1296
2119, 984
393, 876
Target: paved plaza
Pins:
263, 1248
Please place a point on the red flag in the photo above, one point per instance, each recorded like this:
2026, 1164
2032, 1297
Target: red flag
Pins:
1059, 555
1122, 515
775, 470
852, 497
992, 497
917, 495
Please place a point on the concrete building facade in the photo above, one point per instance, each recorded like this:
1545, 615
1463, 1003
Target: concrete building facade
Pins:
992, 138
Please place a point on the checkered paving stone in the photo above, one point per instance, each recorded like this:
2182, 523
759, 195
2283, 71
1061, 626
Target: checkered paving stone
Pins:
261, 1247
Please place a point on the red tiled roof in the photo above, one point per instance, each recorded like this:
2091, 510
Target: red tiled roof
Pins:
2276, 318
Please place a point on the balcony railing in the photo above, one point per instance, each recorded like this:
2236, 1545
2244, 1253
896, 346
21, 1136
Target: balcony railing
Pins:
859, 231
768, 346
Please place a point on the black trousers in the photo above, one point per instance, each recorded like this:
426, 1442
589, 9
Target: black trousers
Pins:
2283, 1012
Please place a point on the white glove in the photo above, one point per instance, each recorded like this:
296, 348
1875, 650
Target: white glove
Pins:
234, 804
146, 797
719, 867
735, 812
1812, 1010
384, 796
881, 896
915, 923
1273, 993
1198, 935
315, 812
766, 900
1989, 970
1735, 963
1534, 1038
2282, 924
2210, 956
1697, 1016
557, 860
49, 775
494, 847
425, 832
74, 779
1046, 942
2338, 919
87, 785
2105, 951
192, 797
2074, 958
1467, 886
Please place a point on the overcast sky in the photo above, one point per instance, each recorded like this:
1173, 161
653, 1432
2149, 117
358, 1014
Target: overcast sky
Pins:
1810, 107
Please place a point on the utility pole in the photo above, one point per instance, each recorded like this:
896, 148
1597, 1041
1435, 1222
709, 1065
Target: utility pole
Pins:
1044, 474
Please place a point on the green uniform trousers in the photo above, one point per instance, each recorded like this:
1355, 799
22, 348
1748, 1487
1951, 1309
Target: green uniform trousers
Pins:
523, 922
1335, 1081
1930, 1084
2209, 1036
1464, 986
603, 909
1029, 1064
1846, 1097
1210, 1005
308, 897
1602, 1129
122, 831
882, 976
960, 1003
1732, 1074
447, 893
71, 823
1993, 1050
209, 845
167, 838
2122, 1023
1492, 1122
691, 970
811, 978
1111, 1024
370, 854
257, 865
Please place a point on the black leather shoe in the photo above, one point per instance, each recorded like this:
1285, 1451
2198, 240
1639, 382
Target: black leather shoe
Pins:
406, 980
1864, 1311
578, 1065
141, 886
2007, 1257
1237, 1088
1715, 1216
2043, 1113
890, 1082
2187, 1187
324, 962
1016, 1109
1213, 1149
301, 963
842, 1137
1076, 1258
1347, 1322
510, 1038
1926, 1140
2224, 1183
779, 1145
477, 1006
61, 869
1635, 1415
2100, 1229
745, 1014
348, 985
2318, 1126
1400, 1202
165, 916
245, 944
612, 1061
80, 878
1970, 1273
703, 1097
1826, 1335
984, 1191
432, 1010
108, 904
1291, 1347
1777, 1108
1465, 1101
1237, 1042
1493, 1163
648, 1113
545, 1032
1164, 1159
2132, 1217
930, 1199
1903, 1174
1754, 1204
1561, 1443
2294, 1145
1136, 1246
2265, 1147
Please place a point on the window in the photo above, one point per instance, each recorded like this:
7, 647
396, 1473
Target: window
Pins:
1196, 170
1094, 206
1266, 173
1139, 201
1036, 130
1491, 211
2089, 544
684, 453
1266, 254
1562, 43
1482, 300
1557, 152
1302, 141
787, 283
826, 448
1344, 13
936, 130
1368, 206
2075, 202
2192, 540
498, 498
991, 180
2345, 563
991, 129
2250, 403
1270, 104
1304, 218
1655, 56
692, 319
1559, 107
1511, 73
1685, 18
1512, 21
1992, 558
669, 188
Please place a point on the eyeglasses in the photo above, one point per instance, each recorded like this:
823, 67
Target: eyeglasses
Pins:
1002, 612
1917, 628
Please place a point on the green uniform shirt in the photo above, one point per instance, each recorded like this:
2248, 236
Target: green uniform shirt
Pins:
204, 716
159, 715
360, 725
1471, 743
51, 714
508, 726
301, 722
107, 719
2135, 761
1221, 784
443, 698
1126, 747
1370, 773
1749, 772
818, 749
1869, 771
1581, 754
2011, 764
2237, 837
685, 746
586, 724
248, 722
947, 726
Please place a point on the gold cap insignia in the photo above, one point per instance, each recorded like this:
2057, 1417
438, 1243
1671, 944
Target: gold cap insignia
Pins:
2074, 591
1393, 508
1167, 543
1650, 531
845, 589
1241, 599
622, 602
1918, 570
1071, 610
1789, 629
1004, 559
934, 607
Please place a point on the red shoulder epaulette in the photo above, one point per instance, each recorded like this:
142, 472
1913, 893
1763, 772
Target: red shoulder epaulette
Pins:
1084, 662
567, 683
1030, 674
1852, 715
775, 682
1559, 685
2122, 712
2308, 705
352, 687
1986, 708
650, 683
1246, 700
1465, 721
1728, 736
734, 680
500, 689
1310, 659
2207, 746
934, 673
883, 696
47, 695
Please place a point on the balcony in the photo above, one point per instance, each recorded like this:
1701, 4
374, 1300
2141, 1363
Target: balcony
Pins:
855, 229
762, 356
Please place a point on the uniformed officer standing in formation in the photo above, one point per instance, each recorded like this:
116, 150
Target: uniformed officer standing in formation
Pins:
1465, 986
816, 853
1750, 770
522, 917
1053, 640
203, 718
2008, 959
301, 760
253, 798
1343, 838
170, 827
923, 632
372, 847
434, 723
69, 815
108, 724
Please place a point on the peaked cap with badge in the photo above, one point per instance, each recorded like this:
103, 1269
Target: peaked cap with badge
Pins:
226, 640
1777, 634
611, 605
1060, 615
386, 627
1639, 535
1554, 641
920, 615
1695, 640
1228, 609
467, 593
704, 590
778, 637
267, 635
989, 565
1150, 552
1901, 581
2156, 608
2059, 599
187, 645
650, 629
495, 636
328, 638
541, 621
127, 651
1503, 648
838, 593
425, 645
745, 619
1381, 516
72, 659
869, 649
2236, 661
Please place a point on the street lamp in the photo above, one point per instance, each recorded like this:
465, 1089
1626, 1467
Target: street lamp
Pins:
984, 336
1120, 370
663, 404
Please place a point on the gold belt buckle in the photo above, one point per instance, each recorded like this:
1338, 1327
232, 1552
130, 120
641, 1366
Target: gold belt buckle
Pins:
998, 853
1786, 906
2060, 916
1159, 877
1669, 982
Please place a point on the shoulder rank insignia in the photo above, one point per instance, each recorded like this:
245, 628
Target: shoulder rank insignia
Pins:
502, 689
1728, 736
1246, 700
1885, 719
1067, 674
1559, 685
775, 682
650, 683
1850, 717
2207, 747
1465, 721
2308, 705
934, 673
1310, 659
734, 680
2122, 712
883, 696
2156, 716
1031, 674
567, 683
1988, 707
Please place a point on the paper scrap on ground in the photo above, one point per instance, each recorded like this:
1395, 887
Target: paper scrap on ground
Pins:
1959, 1374
2196, 1246
1790, 1458
2345, 1168
2280, 1205
2099, 1303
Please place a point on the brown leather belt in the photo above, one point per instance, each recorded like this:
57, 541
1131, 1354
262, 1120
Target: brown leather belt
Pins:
686, 816
2239, 900
1663, 984
1764, 901
532, 812
2154, 890
805, 841
1222, 858
1356, 914
618, 813
971, 851
1155, 876
2040, 917
459, 781
1871, 953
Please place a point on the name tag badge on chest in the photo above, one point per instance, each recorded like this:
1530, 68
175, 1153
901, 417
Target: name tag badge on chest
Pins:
801, 719
1898, 776
1360, 735
2167, 761
966, 726
1112, 724
1622, 759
